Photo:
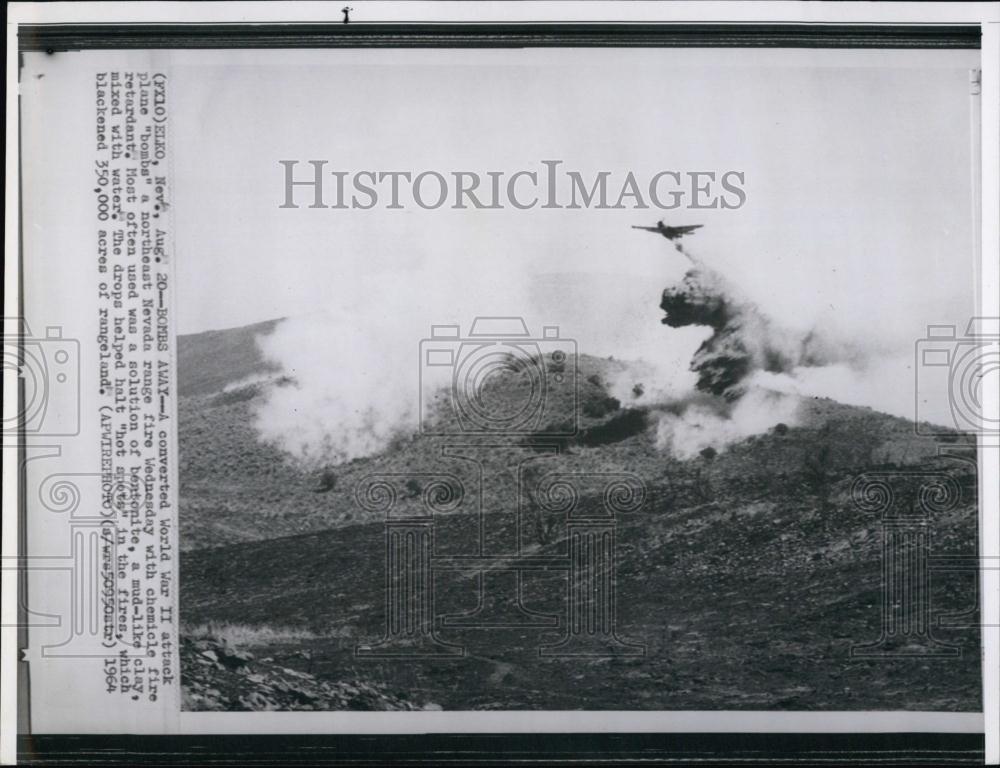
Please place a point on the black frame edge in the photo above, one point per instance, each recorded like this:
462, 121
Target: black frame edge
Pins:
72, 37
498, 749
501, 749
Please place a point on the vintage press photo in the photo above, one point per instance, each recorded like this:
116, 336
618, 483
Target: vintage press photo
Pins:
508, 382
577, 381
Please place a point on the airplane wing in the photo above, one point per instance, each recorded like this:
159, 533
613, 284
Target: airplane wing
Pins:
687, 230
647, 229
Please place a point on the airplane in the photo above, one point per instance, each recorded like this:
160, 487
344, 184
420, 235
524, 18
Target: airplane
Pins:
671, 233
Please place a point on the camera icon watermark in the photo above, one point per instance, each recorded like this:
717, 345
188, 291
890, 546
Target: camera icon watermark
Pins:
48, 369
498, 380
967, 367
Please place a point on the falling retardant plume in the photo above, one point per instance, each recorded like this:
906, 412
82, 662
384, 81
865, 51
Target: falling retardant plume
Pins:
747, 367
743, 341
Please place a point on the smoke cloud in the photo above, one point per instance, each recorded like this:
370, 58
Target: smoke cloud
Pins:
714, 368
743, 342
353, 370
750, 371
345, 398
690, 427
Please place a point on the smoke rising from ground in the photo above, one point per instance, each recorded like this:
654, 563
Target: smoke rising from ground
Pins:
690, 426
340, 402
353, 369
713, 368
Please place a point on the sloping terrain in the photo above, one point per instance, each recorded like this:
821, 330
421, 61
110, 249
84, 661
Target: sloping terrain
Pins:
748, 574
234, 487
741, 605
209, 361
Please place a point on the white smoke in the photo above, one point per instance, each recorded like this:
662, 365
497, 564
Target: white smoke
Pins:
354, 370
249, 381
700, 425
347, 397
648, 383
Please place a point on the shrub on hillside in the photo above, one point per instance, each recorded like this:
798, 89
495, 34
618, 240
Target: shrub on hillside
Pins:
815, 469
327, 481
599, 406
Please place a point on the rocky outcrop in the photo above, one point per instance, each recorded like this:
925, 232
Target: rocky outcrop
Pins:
218, 677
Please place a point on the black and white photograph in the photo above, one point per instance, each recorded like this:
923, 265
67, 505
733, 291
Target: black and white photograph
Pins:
578, 380
543, 382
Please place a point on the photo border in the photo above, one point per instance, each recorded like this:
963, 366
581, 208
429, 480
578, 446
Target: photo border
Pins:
487, 749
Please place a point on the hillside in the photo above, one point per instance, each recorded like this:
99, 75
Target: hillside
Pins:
236, 488
750, 604
748, 573
209, 361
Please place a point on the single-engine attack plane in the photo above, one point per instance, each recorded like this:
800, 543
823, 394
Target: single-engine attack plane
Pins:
671, 233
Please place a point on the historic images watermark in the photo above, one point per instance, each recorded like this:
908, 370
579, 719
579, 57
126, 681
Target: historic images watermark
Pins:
504, 439
318, 184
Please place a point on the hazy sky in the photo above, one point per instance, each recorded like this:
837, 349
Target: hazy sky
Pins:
857, 181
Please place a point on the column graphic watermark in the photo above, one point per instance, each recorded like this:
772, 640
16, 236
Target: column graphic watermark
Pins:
499, 400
